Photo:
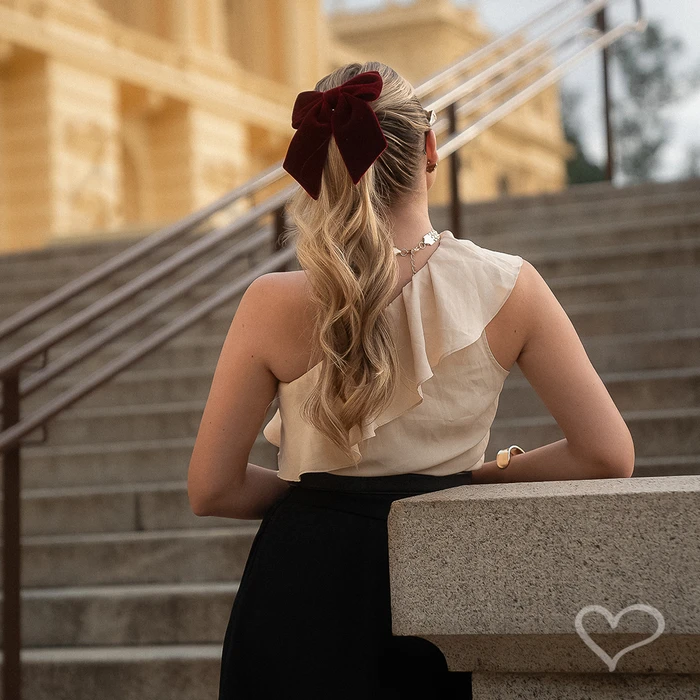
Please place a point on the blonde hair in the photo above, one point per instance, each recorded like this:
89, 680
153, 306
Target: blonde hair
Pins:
344, 240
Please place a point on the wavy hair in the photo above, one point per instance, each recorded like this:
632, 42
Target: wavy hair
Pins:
344, 242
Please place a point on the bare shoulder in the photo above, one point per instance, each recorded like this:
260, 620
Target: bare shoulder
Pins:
522, 311
516, 307
506, 331
533, 301
518, 310
283, 281
283, 293
285, 323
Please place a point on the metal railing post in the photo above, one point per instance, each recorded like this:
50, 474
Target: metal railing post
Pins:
11, 633
278, 228
455, 201
601, 24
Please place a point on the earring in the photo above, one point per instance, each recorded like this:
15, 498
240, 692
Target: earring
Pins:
431, 167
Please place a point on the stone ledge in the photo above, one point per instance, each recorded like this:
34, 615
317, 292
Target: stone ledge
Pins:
495, 574
549, 686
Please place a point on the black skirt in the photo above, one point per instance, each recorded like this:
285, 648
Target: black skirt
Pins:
312, 615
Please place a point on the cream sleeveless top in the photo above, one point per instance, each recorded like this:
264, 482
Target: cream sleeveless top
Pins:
439, 421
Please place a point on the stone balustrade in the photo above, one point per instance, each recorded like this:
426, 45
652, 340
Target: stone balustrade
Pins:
500, 576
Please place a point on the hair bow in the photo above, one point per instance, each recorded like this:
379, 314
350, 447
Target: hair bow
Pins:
344, 113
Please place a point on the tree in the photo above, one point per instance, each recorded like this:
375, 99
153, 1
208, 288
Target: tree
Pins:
579, 169
651, 84
692, 167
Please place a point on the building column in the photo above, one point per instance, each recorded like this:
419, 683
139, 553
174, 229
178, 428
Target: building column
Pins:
279, 39
302, 35
252, 38
214, 19
171, 160
84, 147
25, 163
221, 153
199, 24
59, 151
184, 22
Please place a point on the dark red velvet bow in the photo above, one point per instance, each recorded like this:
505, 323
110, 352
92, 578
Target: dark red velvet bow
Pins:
344, 113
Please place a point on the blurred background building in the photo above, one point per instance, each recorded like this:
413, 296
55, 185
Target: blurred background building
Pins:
120, 115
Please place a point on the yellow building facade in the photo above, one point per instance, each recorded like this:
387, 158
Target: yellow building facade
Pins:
121, 115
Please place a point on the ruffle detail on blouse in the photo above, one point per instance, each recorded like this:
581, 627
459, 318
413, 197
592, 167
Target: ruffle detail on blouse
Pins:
444, 308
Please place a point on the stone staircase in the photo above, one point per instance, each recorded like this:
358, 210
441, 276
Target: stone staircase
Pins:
625, 264
126, 594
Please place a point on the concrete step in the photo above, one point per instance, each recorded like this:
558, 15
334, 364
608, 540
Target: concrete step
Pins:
629, 315
109, 243
128, 462
157, 556
618, 258
651, 283
132, 507
504, 220
180, 419
126, 615
25, 289
64, 261
156, 386
173, 385
70, 264
634, 315
593, 193
667, 465
217, 321
20, 297
611, 259
531, 239
80, 426
184, 351
164, 385
606, 286
164, 505
644, 350
175, 308
16, 287
638, 390
666, 432
133, 462
175, 672
19, 289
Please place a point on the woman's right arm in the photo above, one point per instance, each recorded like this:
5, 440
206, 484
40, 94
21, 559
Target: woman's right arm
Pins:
597, 443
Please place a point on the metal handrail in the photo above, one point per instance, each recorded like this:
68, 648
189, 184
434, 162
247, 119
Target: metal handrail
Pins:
15, 427
136, 252
460, 139
31, 349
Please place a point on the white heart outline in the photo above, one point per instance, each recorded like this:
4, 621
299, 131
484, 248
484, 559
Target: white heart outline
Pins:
613, 622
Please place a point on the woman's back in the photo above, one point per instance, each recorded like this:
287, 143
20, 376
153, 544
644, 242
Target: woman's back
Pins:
439, 420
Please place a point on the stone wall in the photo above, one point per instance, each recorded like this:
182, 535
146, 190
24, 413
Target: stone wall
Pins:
568, 589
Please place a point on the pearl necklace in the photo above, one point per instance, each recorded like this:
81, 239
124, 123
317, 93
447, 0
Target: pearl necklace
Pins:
429, 239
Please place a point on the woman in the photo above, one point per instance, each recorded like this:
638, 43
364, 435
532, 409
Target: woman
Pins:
388, 371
